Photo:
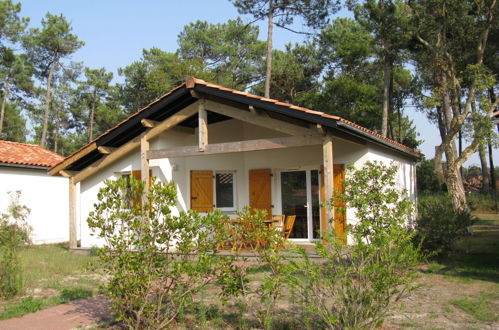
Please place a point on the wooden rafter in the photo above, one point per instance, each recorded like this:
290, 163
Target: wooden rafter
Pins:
68, 161
105, 150
168, 123
259, 120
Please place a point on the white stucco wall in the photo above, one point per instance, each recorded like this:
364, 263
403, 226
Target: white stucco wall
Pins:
232, 130
45, 195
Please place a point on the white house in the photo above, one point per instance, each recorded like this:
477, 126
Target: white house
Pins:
23, 167
227, 149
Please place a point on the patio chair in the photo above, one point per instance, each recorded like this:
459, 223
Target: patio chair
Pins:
288, 227
245, 233
278, 220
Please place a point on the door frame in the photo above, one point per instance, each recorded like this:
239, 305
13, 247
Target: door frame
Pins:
308, 187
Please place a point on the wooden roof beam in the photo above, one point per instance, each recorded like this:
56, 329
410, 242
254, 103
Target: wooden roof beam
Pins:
105, 150
69, 160
267, 122
133, 144
238, 146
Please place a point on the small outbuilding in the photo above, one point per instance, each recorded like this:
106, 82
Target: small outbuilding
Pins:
226, 149
23, 167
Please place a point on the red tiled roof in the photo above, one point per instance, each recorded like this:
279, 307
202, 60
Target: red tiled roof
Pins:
27, 154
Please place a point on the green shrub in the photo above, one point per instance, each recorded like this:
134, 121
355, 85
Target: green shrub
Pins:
439, 224
483, 202
25, 306
14, 231
157, 261
70, 294
356, 284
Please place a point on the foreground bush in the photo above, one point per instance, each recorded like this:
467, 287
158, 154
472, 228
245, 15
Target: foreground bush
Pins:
356, 284
14, 231
157, 261
439, 224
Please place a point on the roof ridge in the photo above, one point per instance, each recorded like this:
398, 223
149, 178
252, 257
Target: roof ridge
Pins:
25, 144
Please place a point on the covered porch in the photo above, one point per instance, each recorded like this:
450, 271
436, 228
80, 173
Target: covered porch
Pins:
226, 150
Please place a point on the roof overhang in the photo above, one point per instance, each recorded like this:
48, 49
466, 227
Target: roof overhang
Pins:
189, 92
33, 167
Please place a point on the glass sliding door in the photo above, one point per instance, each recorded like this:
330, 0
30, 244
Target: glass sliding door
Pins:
315, 189
300, 196
294, 200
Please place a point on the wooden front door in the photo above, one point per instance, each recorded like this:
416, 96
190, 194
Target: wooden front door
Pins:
340, 219
260, 192
202, 191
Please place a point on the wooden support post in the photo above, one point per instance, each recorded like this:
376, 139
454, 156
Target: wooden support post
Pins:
72, 214
327, 152
144, 166
202, 127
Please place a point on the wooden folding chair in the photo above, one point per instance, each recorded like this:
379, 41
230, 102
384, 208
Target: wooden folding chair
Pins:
278, 220
245, 235
288, 226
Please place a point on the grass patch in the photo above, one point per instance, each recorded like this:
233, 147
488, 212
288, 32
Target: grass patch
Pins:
30, 305
52, 275
479, 308
47, 266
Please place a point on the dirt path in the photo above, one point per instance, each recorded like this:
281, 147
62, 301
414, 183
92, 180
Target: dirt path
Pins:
78, 313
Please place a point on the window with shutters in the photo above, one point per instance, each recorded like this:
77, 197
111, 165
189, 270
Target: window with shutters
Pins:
225, 191
213, 189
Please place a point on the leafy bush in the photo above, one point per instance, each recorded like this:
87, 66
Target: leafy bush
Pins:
439, 224
483, 202
355, 285
157, 261
14, 231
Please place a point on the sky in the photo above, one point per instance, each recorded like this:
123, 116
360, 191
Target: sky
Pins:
116, 31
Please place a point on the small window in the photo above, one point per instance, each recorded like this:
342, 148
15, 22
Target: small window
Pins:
225, 191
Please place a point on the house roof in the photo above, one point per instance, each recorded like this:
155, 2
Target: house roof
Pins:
27, 155
181, 96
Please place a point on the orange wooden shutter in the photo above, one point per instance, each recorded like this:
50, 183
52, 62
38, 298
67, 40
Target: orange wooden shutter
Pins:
202, 191
138, 176
260, 192
340, 219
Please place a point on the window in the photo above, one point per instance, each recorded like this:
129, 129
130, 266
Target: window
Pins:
225, 191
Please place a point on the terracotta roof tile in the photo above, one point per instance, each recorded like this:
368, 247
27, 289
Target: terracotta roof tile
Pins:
27, 154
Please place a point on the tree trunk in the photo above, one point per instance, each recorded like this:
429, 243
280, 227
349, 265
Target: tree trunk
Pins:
492, 97
485, 170
43, 139
4, 102
387, 72
455, 187
91, 119
492, 169
268, 73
